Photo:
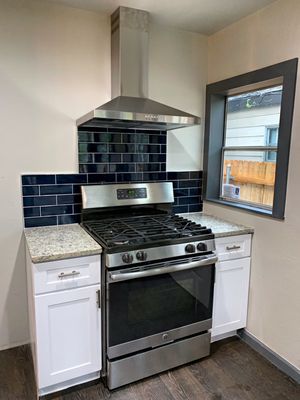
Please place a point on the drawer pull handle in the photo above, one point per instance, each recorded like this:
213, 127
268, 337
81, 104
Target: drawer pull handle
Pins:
234, 247
73, 273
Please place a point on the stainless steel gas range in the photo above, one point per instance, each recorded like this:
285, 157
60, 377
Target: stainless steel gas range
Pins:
158, 280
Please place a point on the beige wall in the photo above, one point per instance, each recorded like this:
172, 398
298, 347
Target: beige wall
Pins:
178, 76
55, 66
267, 37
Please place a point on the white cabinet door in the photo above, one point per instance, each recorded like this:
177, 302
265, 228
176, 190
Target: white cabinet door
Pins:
230, 295
68, 335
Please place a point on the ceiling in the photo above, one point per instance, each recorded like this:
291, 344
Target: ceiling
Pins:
203, 16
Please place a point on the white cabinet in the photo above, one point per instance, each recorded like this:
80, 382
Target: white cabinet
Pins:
68, 331
231, 286
65, 321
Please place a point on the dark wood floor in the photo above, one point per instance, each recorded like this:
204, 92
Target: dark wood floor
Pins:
233, 372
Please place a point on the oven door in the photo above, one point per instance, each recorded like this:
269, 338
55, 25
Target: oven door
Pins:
152, 305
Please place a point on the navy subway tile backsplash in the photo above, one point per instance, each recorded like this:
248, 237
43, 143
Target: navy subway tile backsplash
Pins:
58, 208
107, 156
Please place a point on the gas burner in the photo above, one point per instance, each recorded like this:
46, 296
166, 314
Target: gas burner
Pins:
144, 230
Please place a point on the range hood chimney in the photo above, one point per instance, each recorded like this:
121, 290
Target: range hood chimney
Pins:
131, 107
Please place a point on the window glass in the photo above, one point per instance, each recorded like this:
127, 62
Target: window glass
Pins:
250, 146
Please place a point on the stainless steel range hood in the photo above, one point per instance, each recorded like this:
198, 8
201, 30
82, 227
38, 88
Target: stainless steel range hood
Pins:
131, 107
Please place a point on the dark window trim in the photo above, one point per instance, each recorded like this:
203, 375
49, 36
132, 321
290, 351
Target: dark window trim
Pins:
216, 94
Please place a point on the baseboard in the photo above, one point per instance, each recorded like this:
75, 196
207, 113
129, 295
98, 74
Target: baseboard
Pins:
270, 355
13, 345
223, 336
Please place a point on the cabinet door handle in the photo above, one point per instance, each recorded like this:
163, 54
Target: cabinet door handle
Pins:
234, 247
73, 273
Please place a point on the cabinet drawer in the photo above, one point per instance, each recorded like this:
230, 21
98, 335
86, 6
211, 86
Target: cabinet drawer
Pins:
229, 248
66, 274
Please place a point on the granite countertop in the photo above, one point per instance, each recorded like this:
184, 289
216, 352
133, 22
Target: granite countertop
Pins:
220, 227
50, 243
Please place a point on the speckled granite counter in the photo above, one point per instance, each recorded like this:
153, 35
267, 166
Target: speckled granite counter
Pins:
52, 243
220, 227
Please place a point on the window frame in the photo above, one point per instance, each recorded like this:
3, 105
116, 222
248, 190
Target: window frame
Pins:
284, 73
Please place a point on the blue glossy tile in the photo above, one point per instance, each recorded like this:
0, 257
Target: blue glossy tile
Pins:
93, 168
101, 178
121, 148
159, 139
31, 190
68, 219
56, 189
77, 208
178, 175
195, 207
196, 175
148, 167
39, 221
148, 148
77, 189
92, 129
69, 199
129, 158
189, 183
154, 176
189, 200
161, 158
195, 191
86, 137
38, 179
92, 148
32, 212
39, 201
133, 177
107, 138
85, 158
180, 209
71, 178
101, 158
56, 210
163, 148
181, 192
121, 167
105, 158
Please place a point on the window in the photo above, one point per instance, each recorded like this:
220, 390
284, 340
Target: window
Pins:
247, 139
250, 147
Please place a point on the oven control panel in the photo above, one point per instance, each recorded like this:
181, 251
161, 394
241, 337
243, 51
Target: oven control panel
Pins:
133, 193
160, 253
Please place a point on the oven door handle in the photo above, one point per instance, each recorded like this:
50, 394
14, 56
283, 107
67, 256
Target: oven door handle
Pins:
125, 276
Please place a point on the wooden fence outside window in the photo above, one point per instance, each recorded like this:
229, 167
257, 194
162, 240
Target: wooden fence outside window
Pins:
255, 179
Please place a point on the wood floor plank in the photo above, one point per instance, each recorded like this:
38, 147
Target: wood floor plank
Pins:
234, 371
217, 381
254, 373
189, 385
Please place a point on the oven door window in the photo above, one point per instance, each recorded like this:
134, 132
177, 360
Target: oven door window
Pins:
147, 306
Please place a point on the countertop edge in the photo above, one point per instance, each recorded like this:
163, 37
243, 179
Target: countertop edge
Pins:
64, 256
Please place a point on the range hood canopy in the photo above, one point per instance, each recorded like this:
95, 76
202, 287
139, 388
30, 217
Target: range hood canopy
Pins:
131, 107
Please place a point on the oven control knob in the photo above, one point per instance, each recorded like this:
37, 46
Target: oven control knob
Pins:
141, 256
202, 247
127, 258
190, 248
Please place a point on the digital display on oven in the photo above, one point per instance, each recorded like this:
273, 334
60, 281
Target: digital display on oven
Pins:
136, 193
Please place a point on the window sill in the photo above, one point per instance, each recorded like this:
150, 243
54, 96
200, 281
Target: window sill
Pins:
244, 207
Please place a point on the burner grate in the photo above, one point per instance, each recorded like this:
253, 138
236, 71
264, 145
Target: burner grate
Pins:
145, 229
